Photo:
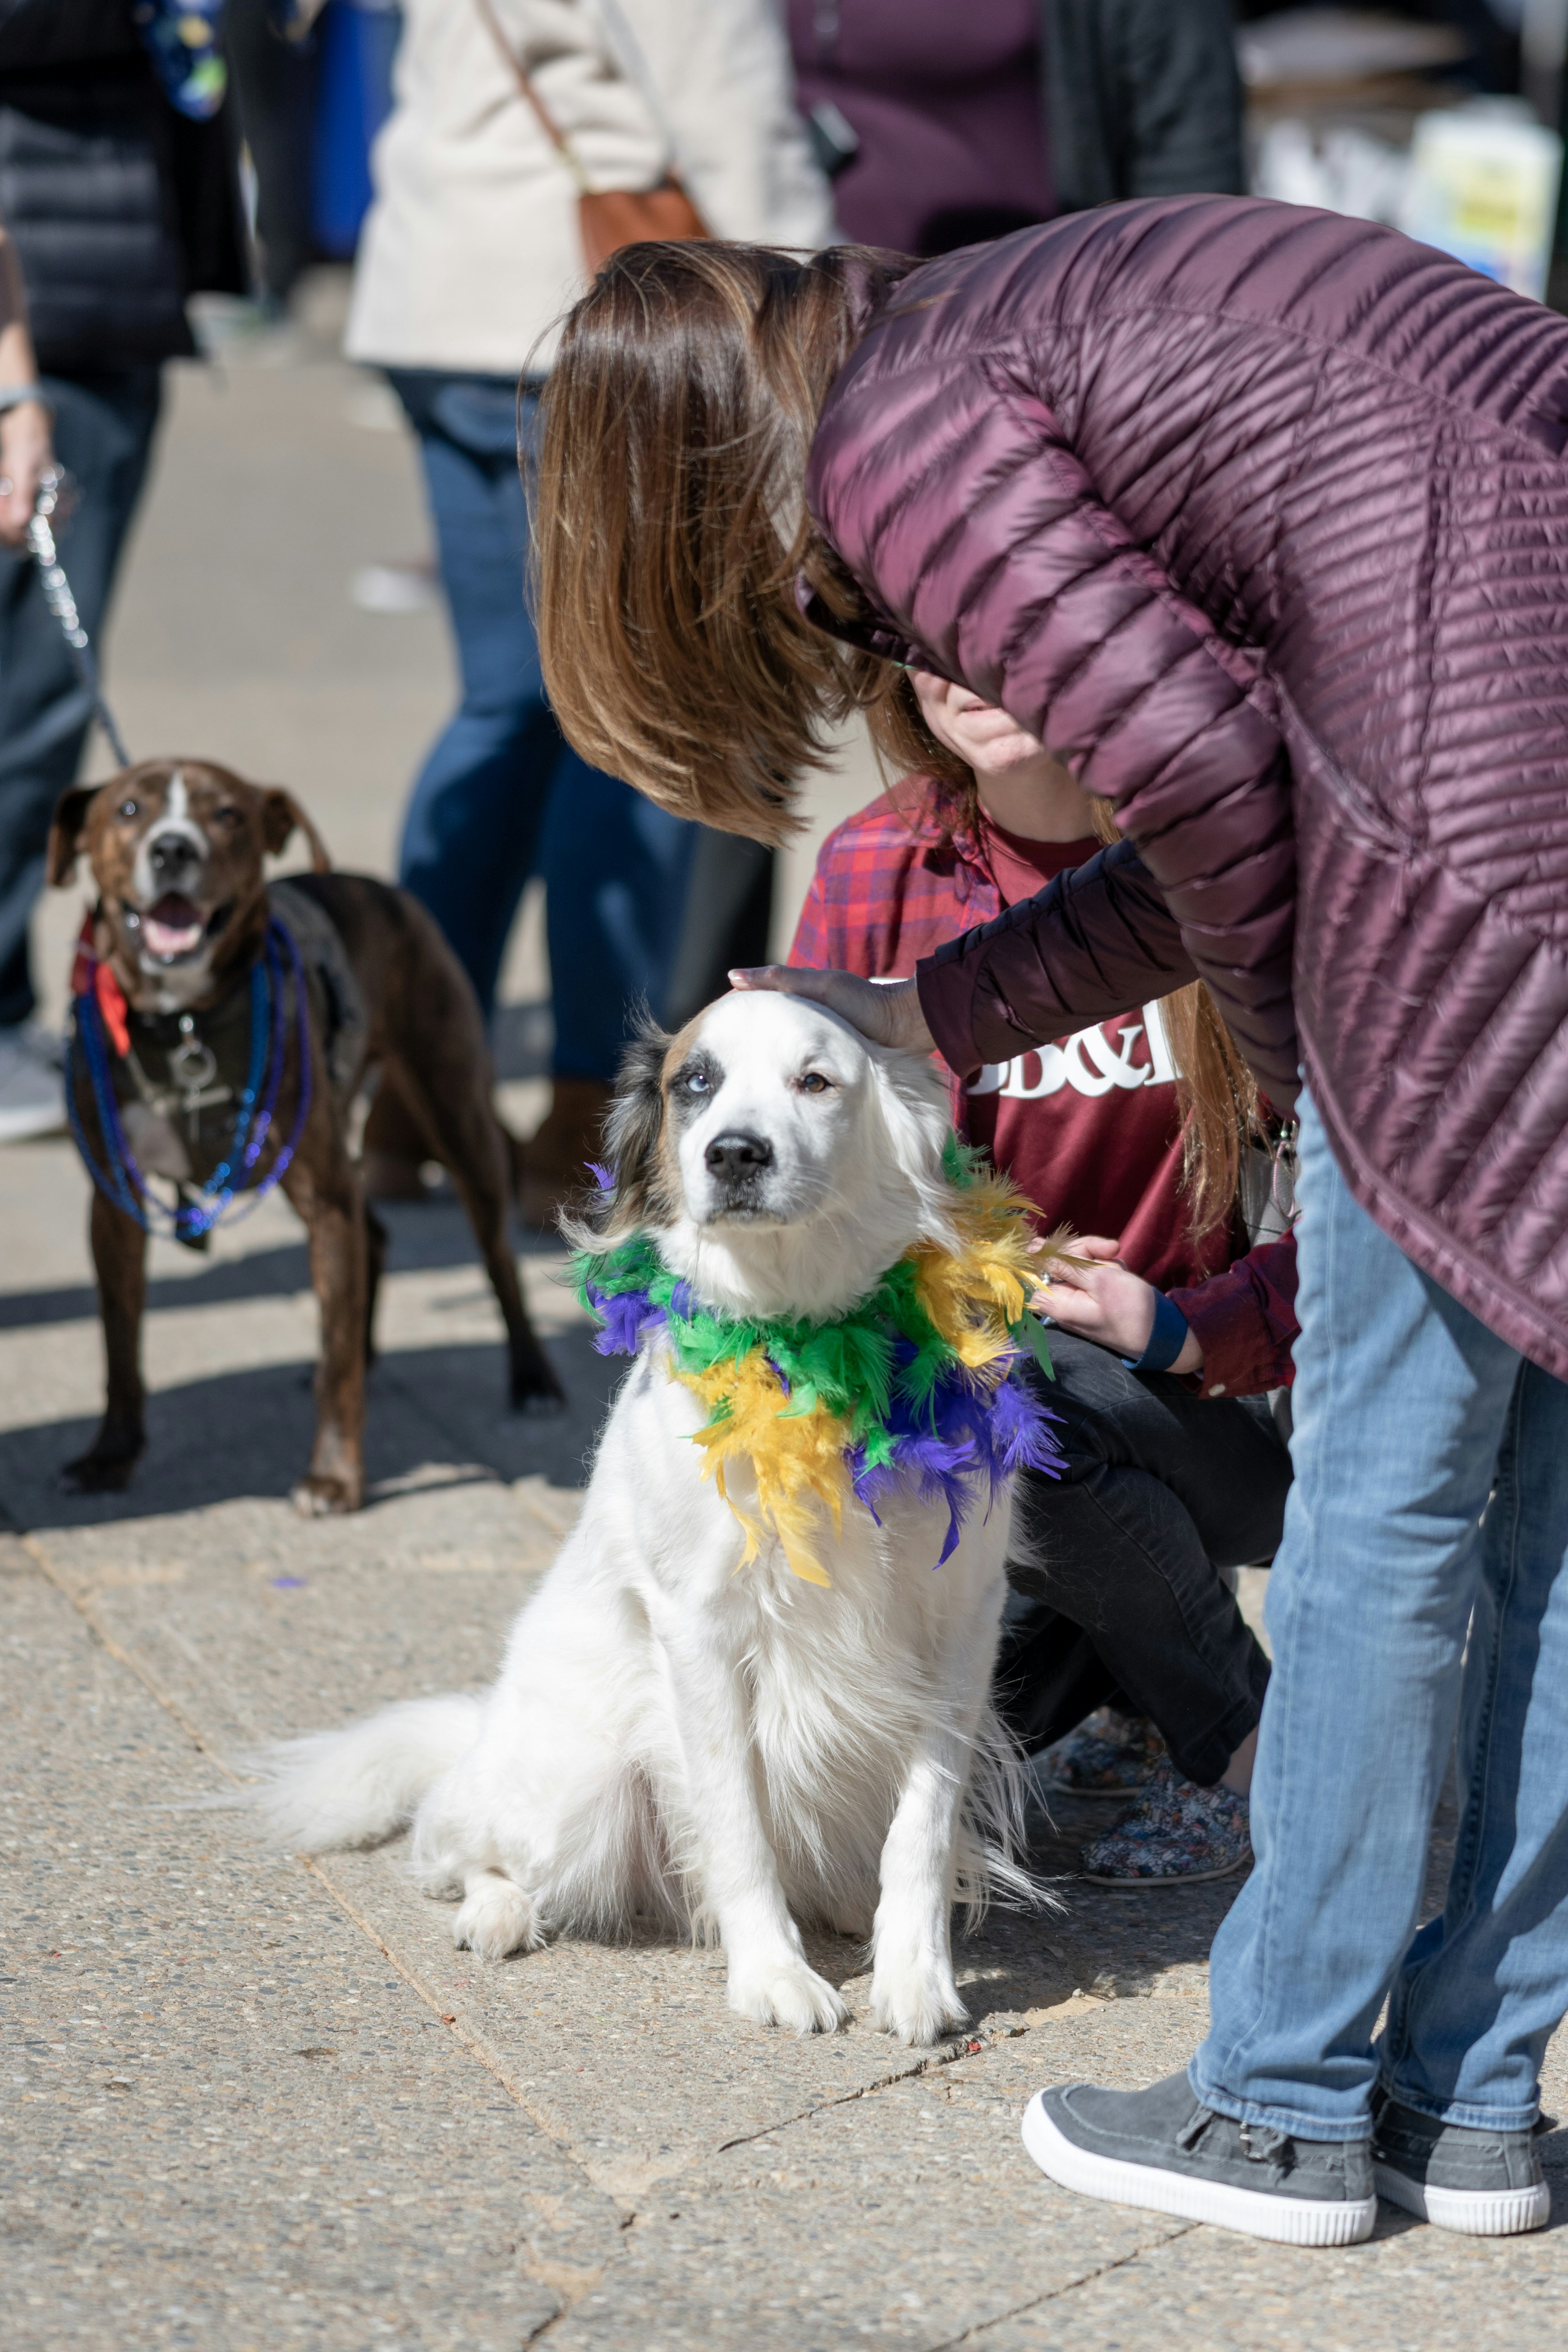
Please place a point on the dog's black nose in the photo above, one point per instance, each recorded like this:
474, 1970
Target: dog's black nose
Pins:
171, 854
738, 1155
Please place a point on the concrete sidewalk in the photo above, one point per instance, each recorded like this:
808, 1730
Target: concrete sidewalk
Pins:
259, 2103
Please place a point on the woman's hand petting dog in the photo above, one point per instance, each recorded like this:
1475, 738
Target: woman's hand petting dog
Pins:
1108, 1303
888, 1011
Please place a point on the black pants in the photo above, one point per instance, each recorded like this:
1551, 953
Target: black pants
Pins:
1115, 1589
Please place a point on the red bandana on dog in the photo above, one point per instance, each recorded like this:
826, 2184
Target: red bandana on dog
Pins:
88, 973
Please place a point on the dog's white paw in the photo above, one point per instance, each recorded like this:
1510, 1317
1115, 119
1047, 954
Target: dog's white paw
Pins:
784, 1991
495, 1919
317, 1497
916, 2001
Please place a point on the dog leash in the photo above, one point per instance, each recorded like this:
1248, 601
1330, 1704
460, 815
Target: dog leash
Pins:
57, 595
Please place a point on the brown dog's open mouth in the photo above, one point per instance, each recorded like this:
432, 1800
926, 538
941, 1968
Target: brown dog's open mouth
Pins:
174, 927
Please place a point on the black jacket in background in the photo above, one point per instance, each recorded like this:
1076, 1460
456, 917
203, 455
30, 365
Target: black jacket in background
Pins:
1143, 98
119, 205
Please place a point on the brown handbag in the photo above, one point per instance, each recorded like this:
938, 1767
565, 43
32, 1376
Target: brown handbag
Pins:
607, 218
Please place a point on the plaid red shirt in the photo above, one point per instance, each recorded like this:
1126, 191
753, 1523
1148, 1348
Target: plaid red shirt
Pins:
890, 886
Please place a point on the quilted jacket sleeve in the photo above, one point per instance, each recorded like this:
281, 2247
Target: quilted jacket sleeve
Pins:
1095, 942
953, 494
1245, 1321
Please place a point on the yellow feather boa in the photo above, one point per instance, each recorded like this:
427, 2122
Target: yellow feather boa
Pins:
798, 1448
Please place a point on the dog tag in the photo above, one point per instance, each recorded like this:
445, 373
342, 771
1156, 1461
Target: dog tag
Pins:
193, 1067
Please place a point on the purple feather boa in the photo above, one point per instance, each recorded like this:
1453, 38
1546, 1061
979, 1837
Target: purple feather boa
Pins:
975, 1440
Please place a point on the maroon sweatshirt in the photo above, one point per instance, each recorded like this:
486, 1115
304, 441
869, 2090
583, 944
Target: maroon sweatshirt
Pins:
1087, 1123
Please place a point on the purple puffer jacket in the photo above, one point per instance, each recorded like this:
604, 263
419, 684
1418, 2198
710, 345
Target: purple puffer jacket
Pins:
1259, 517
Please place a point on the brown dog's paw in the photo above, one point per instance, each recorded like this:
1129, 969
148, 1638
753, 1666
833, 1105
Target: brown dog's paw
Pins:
320, 1498
99, 1474
534, 1388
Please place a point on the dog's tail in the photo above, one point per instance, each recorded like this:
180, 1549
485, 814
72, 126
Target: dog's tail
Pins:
359, 1785
993, 1853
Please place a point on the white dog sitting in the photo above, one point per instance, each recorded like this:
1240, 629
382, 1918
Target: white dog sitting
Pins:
720, 1709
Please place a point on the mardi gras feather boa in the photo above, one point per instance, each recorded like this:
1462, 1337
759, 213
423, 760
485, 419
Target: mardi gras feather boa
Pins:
914, 1389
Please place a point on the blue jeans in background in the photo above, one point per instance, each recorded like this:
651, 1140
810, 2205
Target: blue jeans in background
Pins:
104, 437
502, 794
1430, 1502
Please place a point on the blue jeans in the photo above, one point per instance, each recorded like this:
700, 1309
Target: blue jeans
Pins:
103, 435
1430, 1503
502, 794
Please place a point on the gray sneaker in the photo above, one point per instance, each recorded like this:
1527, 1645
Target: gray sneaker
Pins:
32, 1094
1488, 2184
1165, 2149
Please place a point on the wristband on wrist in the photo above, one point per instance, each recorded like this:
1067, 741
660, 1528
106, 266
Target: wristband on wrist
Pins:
1167, 1341
16, 396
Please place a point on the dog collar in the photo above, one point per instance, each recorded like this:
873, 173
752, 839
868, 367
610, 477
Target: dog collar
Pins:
916, 1389
117, 1175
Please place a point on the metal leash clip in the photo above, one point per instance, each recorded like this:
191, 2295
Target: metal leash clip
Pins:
55, 490
193, 1073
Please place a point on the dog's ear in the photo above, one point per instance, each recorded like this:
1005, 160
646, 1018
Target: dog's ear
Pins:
636, 1117
634, 1125
68, 833
280, 815
916, 1114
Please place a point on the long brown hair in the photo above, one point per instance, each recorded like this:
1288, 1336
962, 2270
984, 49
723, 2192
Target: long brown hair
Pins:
669, 527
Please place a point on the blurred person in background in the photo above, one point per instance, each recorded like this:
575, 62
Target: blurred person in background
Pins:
943, 126
273, 63
471, 252
116, 191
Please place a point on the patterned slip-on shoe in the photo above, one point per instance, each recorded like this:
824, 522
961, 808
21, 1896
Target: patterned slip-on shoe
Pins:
1165, 2149
1487, 2184
1109, 1755
1175, 1835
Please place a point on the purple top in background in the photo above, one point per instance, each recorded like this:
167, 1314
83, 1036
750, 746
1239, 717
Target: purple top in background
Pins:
950, 111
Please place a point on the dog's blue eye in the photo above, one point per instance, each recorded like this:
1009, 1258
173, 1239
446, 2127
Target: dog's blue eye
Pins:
128, 809
696, 1083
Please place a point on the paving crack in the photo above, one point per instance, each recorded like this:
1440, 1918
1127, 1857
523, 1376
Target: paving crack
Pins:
982, 2328
537, 2335
970, 2048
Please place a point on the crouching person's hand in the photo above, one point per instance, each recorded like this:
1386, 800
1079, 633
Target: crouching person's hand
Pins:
1105, 1301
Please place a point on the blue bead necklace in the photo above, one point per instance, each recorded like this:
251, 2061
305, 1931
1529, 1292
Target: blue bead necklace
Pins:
121, 1180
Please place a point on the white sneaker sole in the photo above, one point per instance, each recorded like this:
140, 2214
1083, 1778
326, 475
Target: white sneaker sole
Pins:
1475, 2214
1289, 2220
1182, 1878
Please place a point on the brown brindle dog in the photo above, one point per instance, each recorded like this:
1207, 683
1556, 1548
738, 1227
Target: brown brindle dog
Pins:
176, 848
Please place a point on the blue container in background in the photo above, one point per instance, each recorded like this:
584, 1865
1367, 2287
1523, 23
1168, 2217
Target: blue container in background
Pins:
353, 97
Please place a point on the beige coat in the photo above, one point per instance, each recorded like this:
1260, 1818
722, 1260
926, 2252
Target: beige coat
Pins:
470, 252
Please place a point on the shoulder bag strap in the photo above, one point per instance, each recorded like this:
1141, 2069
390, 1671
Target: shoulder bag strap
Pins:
524, 80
